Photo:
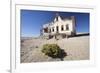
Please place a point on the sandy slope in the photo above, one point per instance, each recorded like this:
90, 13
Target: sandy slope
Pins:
77, 48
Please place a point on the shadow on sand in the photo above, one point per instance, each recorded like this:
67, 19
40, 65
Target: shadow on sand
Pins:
62, 55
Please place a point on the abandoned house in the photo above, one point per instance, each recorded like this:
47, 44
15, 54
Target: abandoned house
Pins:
59, 28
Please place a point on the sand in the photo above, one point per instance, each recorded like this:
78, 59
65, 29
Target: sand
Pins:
77, 48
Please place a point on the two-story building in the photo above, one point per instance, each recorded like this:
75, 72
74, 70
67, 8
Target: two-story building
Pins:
59, 28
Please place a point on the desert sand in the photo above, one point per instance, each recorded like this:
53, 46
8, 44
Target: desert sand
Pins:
77, 48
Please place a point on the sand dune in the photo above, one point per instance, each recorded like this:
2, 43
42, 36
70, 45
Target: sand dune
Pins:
77, 48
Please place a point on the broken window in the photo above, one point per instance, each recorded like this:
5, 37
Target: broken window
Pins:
45, 30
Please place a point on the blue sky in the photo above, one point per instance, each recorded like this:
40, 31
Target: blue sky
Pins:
32, 21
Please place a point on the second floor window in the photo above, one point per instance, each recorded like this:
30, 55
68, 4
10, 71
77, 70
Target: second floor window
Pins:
49, 30
53, 29
67, 27
62, 27
57, 28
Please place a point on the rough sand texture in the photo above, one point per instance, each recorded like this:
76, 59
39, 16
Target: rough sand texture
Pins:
77, 48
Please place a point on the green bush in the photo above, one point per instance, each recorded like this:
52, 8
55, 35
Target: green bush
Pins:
52, 50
